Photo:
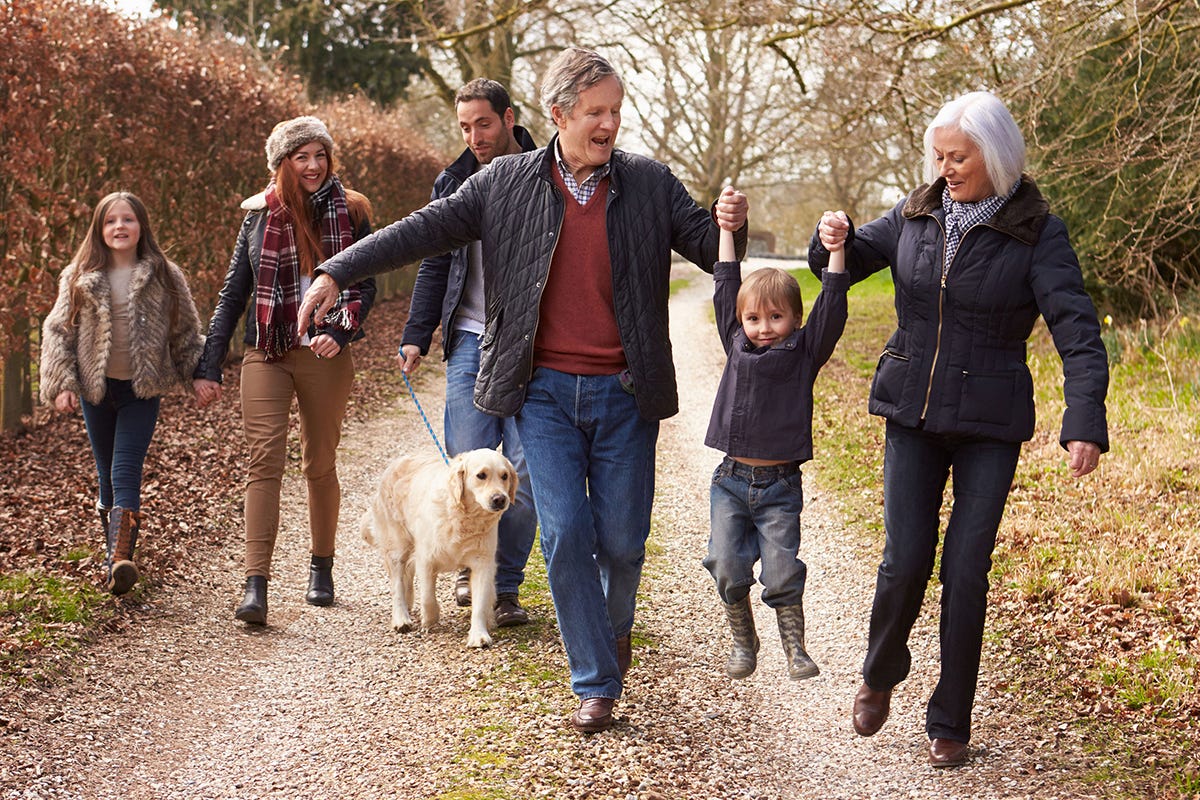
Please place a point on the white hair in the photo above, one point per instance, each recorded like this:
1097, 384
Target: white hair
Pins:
986, 121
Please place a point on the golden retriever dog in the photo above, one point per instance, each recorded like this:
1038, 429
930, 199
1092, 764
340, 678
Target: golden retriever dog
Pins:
427, 518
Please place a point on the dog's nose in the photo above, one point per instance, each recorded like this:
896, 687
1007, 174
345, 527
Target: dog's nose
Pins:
499, 501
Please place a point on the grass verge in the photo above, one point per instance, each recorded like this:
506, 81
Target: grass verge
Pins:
1095, 610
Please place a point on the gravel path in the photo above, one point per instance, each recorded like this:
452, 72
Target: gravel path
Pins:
330, 703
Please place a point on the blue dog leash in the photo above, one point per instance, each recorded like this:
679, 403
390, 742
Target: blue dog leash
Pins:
428, 427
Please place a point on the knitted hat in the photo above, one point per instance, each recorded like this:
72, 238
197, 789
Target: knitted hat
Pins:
291, 134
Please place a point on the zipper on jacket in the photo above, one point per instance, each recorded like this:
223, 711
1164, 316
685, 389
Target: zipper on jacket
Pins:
542, 289
937, 348
893, 354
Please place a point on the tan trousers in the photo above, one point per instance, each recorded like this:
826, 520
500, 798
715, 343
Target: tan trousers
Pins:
321, 387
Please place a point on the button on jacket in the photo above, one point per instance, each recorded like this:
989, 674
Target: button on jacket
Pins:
957, 358
764, 404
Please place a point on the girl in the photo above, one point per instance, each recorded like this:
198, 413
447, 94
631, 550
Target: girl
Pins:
303, 217
123, 332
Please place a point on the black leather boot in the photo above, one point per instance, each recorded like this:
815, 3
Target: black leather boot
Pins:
123, 525
253, 609
743, 656
791, 632
320, 582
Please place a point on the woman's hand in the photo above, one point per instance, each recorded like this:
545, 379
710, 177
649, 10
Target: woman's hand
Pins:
1082, 457
833, 229
206, 391
409, 359
324, 346
66, 402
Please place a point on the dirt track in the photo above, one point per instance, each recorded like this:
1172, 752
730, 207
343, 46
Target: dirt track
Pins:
329, 703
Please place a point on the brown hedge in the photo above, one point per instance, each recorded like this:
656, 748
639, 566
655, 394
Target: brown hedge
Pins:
95, 102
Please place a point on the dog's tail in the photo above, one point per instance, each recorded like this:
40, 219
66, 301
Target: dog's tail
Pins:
366, 526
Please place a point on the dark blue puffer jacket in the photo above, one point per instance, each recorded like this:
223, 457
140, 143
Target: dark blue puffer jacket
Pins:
957, 357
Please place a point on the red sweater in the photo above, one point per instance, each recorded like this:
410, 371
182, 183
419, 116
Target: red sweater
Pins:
577, 328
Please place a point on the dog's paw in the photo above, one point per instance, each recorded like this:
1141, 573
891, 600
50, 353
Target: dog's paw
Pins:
400, 626
479, 640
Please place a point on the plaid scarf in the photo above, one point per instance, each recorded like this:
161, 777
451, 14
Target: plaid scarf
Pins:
277, 296
961, 217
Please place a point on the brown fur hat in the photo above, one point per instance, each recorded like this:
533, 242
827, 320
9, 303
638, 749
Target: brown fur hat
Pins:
291, 134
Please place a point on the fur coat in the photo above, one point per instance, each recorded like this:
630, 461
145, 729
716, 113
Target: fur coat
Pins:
75, 356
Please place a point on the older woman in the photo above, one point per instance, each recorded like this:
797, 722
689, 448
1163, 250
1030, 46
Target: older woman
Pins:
975, 257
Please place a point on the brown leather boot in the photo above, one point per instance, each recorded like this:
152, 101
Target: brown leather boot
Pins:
123, 526
743, 656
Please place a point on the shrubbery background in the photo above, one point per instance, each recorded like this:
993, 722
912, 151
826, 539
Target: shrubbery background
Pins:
94, 102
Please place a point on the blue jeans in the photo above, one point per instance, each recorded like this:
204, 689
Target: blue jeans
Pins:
755, 515
468, 428
591, 457
120, 429
916, 466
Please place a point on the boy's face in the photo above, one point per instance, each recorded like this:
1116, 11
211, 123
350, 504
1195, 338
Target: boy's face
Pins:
765, 323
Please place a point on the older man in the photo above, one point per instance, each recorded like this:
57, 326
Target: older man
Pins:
577, 240
449, 291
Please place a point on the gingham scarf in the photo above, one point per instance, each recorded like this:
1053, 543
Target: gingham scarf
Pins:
277, 297
961, 217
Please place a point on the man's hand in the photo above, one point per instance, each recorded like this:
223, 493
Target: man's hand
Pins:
732, 209
319, 300
409, 359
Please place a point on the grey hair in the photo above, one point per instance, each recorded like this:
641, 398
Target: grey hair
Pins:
572, 71
986, 121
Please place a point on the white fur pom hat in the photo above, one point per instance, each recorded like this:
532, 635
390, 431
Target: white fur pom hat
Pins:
293, 133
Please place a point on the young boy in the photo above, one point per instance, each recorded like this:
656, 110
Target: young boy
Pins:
762, 421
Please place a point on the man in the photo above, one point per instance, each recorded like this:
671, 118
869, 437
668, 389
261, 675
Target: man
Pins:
449, 291
577, 239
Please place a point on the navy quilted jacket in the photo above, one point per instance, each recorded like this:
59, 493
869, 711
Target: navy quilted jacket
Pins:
514, 208
957, 357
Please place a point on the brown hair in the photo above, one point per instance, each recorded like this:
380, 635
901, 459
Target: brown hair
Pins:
293, 196
771, 285
94, 255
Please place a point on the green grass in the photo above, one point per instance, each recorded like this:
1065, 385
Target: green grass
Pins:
40, 612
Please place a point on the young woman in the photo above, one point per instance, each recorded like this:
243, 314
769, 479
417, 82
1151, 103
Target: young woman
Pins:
122, 332
303, 217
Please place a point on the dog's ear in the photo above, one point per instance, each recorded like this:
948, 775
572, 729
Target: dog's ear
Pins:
458, 482
513, 482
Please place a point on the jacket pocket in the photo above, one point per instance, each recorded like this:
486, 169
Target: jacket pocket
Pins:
887, 387
988, 397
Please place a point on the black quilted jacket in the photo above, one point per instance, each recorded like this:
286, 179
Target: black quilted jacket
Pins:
957, 357
514, 208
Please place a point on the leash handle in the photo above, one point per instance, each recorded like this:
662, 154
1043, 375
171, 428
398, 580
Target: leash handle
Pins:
428, 427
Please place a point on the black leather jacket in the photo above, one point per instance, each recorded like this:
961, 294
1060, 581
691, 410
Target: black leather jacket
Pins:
514, 208
239, 286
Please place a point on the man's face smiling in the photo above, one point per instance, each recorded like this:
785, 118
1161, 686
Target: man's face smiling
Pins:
487, 133
588, 135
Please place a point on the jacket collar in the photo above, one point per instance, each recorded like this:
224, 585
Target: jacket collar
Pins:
467, 164
96, 282
1022, 217
550, 159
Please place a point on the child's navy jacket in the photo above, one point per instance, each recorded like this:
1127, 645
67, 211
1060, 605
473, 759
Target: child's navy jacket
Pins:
763, 407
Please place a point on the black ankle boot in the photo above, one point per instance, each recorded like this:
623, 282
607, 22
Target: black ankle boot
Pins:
320, 582
253, 609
